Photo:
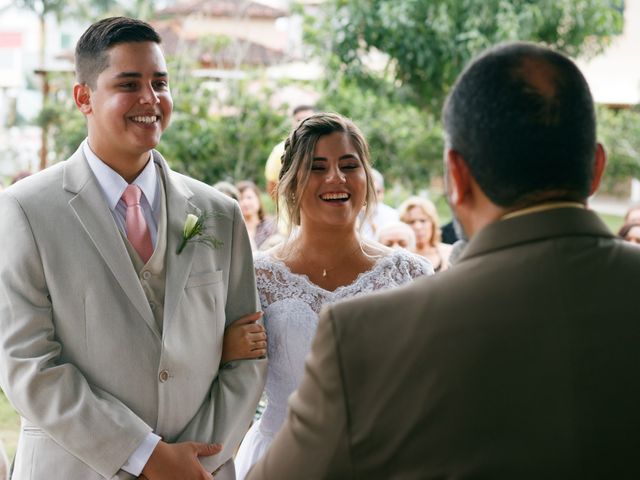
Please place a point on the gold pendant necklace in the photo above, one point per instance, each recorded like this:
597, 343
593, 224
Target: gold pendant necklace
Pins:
326, 270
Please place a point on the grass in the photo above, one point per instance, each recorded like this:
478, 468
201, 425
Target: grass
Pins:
614, 222
9, 426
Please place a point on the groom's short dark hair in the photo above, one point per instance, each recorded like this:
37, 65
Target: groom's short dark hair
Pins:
522, 117
92, 50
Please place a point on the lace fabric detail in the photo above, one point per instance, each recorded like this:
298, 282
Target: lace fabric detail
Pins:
277, 283
291, 304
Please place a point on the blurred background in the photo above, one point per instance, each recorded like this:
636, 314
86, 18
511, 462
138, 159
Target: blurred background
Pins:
238, 68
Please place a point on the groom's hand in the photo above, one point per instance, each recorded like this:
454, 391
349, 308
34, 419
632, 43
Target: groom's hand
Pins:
170, 461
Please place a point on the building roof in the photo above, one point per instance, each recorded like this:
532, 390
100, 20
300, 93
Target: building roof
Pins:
175, 41
224, 8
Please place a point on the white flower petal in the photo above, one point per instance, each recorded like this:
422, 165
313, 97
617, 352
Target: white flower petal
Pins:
189, 224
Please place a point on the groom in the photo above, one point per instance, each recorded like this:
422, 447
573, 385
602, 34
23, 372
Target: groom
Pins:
110, 337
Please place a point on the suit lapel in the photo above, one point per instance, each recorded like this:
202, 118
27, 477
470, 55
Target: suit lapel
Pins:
93, 213
178, 266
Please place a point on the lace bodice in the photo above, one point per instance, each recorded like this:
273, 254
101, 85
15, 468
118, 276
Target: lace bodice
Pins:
291, 304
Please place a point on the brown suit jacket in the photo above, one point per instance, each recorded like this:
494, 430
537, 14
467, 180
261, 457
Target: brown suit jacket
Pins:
523, 361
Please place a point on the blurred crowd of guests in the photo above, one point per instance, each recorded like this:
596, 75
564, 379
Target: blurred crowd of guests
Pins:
414, 225
630, 230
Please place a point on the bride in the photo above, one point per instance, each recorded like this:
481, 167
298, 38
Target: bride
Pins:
324, 183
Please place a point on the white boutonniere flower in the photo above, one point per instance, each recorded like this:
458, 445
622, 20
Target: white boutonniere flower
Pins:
194, 230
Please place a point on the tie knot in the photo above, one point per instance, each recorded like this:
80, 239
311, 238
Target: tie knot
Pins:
131, 195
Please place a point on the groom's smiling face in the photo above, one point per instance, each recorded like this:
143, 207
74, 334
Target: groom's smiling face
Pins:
131, 103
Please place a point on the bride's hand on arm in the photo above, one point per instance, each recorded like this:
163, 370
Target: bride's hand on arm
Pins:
244, 339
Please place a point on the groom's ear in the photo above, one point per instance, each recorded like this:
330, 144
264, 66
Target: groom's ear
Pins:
82, 97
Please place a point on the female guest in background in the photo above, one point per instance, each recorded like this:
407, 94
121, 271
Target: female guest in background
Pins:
397, 235
421, 215
632, 215
325, 181
631, 232
259, 226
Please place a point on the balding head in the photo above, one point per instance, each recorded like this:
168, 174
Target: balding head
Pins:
522, 117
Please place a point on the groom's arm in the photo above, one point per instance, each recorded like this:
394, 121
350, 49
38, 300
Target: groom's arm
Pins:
54, 396
312, 443
226, 414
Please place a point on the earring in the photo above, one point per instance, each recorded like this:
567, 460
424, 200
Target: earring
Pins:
293, 196
364, 204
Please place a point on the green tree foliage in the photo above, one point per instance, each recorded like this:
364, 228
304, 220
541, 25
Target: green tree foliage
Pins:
225, 130
406, 142
619, 132
222, 135
428, 42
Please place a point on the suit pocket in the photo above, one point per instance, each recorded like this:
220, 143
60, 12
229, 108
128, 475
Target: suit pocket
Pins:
201, 279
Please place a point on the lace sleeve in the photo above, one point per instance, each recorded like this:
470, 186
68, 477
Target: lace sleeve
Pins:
414, 265
276, 283
266, 281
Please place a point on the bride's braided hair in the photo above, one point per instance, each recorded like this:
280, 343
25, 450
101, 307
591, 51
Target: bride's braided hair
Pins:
298, 155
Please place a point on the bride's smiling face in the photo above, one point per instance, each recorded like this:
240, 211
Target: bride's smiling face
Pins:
337, 185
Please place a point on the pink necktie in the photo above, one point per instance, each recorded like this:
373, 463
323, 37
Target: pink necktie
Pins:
135, 224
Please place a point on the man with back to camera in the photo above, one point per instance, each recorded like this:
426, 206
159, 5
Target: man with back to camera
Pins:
110, 328
520, 362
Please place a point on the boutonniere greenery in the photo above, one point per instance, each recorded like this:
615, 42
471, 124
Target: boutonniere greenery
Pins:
195, 230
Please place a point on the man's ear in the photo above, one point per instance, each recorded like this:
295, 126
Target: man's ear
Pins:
598, 168
82, 97
459, 177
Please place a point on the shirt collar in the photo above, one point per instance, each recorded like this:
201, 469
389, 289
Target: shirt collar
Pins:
541, 208
113, 185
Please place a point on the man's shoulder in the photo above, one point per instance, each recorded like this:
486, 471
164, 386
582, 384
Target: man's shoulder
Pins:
205, 193
38, 186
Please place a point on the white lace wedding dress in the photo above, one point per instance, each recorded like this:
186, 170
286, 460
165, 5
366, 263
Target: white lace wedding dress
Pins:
291, 304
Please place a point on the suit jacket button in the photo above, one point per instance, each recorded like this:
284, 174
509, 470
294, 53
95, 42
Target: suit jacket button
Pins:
164, 376
146, 275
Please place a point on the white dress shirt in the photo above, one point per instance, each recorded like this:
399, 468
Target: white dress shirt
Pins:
113, 186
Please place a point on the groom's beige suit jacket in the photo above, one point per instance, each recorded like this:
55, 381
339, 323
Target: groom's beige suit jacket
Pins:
82, 358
